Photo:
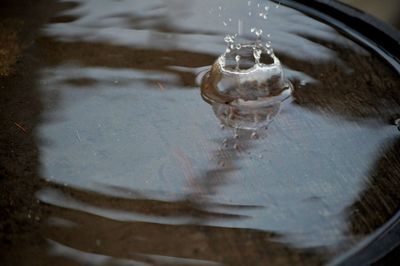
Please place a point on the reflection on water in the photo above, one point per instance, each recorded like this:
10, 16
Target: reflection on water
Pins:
136, 167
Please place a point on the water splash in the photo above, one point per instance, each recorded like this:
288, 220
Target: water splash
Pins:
246, 85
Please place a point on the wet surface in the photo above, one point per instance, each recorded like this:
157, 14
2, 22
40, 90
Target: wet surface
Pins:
111, 157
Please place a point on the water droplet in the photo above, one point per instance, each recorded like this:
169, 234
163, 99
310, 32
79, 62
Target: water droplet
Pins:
258, 32
235, 146
260, 156
249, 3
257, 55
254, 135
225, 24
237, 59
250, 14
229, 38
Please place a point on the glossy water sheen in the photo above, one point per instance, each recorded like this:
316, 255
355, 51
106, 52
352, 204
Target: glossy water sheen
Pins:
139, 172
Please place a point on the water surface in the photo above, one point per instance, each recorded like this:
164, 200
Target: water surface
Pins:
135, 169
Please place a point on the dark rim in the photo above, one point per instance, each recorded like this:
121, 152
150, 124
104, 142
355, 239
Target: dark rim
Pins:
384, 40
370, 31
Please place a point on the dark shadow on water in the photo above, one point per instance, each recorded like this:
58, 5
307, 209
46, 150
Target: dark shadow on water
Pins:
376, 210
133, 58
138, 241
381, 199
361, 89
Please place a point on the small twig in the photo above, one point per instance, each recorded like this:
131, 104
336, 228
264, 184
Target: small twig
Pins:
77, 135
20, 127
161, 86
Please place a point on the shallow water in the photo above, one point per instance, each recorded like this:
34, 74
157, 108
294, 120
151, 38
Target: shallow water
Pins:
138, 171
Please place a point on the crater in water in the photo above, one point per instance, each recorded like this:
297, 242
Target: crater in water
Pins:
246, 85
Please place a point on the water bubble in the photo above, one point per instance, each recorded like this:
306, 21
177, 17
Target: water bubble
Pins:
225, 24
254, 135
236, 146
250, 14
